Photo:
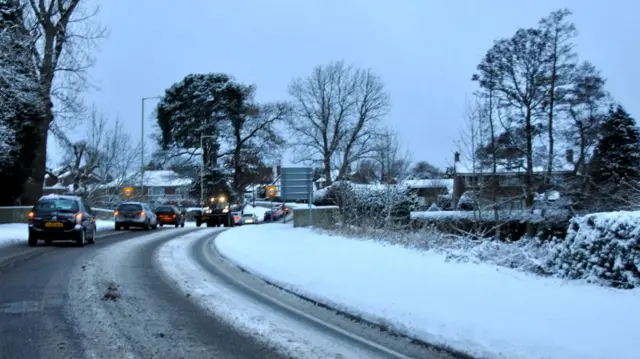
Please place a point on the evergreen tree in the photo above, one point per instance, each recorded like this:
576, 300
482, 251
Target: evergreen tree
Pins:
19, 101
616, 161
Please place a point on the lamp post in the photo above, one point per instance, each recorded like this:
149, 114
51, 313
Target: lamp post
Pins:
202, 137
142, 145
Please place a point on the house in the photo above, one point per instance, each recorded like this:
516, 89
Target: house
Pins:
161, 186
430, 191
507, 188
60, 180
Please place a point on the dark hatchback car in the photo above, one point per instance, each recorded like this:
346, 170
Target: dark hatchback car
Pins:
61, 218
170, 215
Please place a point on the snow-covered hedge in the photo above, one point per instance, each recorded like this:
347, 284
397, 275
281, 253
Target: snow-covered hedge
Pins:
370, 205
511, 224
601, 247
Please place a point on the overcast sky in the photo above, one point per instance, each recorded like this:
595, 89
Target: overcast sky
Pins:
425, 51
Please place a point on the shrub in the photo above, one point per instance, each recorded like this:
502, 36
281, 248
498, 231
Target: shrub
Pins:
370, 205
601, 247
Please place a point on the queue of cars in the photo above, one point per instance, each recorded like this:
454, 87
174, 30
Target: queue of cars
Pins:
70, 218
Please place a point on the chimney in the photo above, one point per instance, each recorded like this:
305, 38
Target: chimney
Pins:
456, 157
569, 156
278, 171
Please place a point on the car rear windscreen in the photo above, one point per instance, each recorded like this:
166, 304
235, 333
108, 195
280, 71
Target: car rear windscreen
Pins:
248, 215
130, 207
57, 204
164, 210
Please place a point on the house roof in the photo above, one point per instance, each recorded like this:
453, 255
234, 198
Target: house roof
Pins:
431, 183
162, 178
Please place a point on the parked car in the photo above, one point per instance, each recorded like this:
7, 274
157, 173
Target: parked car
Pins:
249, 218
237, 217
170, 215
61, 218
135, 214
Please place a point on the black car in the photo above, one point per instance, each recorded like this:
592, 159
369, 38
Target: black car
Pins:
61, 218
170, 215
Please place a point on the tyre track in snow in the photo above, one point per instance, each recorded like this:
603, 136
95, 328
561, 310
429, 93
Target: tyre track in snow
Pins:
149, 318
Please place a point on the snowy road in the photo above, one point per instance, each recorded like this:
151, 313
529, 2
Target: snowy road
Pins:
173, 297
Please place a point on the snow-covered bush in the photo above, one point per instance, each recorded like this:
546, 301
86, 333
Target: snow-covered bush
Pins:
483, 223
601, 247
371, 205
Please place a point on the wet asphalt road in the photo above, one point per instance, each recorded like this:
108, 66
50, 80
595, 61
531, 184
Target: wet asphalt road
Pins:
35, 321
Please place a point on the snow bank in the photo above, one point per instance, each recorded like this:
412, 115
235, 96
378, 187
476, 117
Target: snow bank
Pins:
485, 310
19, 232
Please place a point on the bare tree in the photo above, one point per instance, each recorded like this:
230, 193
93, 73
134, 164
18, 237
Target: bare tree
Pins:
558, 34
521, 65
392, 159
337, 109
65, 36
255, 138
106, 154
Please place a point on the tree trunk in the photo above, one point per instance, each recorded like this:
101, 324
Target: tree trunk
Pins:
528, 179
327, 169
33, 189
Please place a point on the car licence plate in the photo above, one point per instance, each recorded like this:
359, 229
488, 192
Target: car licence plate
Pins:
53, 225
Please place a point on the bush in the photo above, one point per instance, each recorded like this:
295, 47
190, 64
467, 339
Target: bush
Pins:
370, 205
478, 224
601, 247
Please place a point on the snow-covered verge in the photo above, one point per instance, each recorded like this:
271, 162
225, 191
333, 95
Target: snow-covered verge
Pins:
220, 299
19, 232
483, 309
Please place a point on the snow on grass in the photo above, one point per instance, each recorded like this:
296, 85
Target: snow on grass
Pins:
218, 298
483, 309
19, 232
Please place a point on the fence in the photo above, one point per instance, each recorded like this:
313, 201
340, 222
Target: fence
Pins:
19, 214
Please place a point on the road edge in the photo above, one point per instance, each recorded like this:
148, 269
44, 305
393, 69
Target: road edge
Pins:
348, 315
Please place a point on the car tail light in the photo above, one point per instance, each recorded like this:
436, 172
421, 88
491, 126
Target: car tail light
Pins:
78, 218
31, 215
141, 213
116, 213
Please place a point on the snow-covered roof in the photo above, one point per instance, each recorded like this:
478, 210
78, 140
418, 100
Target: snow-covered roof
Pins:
431, 183
162, 178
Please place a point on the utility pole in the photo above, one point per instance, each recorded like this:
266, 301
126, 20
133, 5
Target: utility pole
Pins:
202, 137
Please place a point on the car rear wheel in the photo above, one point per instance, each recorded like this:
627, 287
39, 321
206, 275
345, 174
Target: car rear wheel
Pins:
146, 226
177, 224
92, 238
80, 241
33, 241
182, 225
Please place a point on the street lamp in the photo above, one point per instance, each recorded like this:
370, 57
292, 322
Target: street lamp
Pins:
202, 137
142, 144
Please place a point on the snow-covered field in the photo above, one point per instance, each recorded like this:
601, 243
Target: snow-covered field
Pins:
483, 309
19, 232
